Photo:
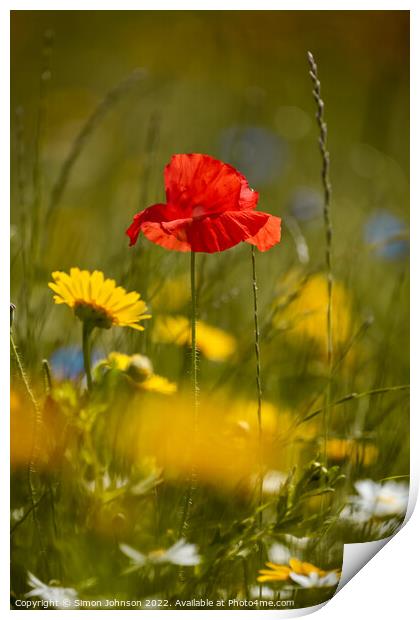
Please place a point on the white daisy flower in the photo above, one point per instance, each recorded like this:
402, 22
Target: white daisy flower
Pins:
315, 580
106, 484
273, 481
60, 598
261, 592
181, 553
17, 514
279, 554
267, 593
377, 500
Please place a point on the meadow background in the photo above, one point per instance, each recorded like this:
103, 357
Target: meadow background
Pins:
234, 85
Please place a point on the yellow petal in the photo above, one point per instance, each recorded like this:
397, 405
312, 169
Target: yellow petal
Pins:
296, 565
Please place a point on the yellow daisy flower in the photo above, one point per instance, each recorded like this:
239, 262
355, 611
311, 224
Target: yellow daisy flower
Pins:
296, 571
97, 301
275, 572
139, 368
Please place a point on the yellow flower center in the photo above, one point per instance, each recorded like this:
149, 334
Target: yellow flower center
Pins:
157, 554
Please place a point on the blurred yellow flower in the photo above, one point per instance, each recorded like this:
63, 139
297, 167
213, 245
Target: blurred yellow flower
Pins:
242, 414
49, 435
214, 343
156, 383
138, 368
162, 430
21, 430
225, 450
98, 301
301, 308
122, 361
349, 449
171, 295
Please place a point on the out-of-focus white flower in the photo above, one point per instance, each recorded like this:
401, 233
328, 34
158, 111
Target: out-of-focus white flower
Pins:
181, 553
261, 592
137, 559
106, 483
297, 543
17, 514
267, 593
273, 481
60, 598
315, 580
279, 554
377, 500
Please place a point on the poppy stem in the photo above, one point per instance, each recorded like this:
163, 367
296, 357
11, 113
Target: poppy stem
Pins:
188, 499
194, 352
87, 330
259, 396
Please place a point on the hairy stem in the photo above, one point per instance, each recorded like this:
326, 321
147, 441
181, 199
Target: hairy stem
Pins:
259, 398
35, 450
195, 393
194, 359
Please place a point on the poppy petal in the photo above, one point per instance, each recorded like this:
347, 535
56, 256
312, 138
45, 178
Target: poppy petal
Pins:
157, 233
248, 198
154, 214
215, 234
201, 185
268, 235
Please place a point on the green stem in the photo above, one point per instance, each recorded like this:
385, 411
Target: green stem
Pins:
87, 330
194, 366
195, 391
47, 376
259, 396
258, 370
355, 396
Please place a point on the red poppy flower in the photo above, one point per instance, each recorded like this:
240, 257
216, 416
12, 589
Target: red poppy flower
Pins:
209, 208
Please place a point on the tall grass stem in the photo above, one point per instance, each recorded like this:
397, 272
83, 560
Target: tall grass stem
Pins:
35, 448
325, 177
109, 100
45, 79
